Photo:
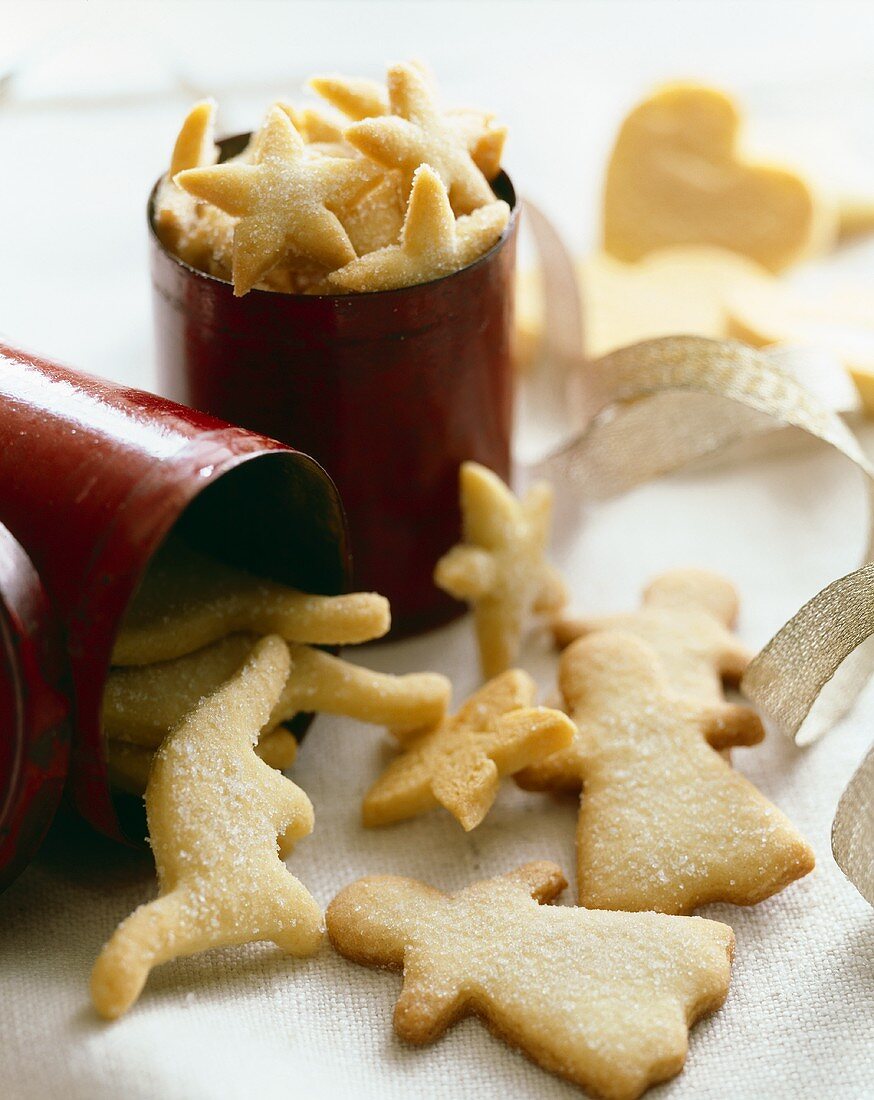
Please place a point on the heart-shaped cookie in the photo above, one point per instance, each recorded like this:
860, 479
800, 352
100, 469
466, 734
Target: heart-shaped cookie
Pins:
677, 175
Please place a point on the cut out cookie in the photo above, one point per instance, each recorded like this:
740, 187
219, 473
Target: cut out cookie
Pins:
459, 764
665, 823
837, 320
141, 704
677, 176
219, 818
500, 567
432, 243
685, 619
417, 132
683, 289
283, 198
605, 1000
131, 763
187, 600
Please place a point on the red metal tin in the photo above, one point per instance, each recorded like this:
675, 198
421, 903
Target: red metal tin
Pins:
34, 710
390, 391
94, 475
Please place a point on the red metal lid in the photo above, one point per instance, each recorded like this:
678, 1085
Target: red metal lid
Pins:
34, 711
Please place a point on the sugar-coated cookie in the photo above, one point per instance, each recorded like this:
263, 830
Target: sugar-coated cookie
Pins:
219, 820
188, 600
678, 176
605, 1000
459, 763
500, 567
664, 823
432, 242
418, 132
142, 703
281, 198
686, 619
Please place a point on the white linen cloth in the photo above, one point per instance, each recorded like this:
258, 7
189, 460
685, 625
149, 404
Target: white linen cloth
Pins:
248, 1022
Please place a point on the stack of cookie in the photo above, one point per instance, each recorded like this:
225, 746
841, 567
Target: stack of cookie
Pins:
211, 663
602, 994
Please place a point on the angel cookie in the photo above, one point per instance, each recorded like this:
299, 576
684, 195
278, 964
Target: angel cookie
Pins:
686, 620
664, 823
432, 242
220, 822
500, 566
603, 999
459, 763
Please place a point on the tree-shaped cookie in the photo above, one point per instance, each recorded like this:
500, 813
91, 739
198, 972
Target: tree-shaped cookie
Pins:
459, 763
418, 132
603, 999
188, 600
686, 619
283, 198
432, 242
664, 823
500, 566
219, 821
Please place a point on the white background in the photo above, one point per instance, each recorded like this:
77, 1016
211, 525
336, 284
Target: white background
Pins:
91, 99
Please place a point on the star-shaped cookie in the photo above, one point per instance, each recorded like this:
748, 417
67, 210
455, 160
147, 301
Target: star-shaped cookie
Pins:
459, 763
359, 99
432, 242
500, 567
417, 132
283, 199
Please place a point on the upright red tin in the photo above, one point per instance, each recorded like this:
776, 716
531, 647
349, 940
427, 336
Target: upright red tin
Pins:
93, 476
390, 391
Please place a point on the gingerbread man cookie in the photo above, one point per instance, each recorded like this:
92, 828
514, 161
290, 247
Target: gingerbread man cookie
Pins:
500, 566
220, 823
459, 764
664, 823
605, 1000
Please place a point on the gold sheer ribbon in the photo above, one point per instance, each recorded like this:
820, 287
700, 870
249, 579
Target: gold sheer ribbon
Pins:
650, 408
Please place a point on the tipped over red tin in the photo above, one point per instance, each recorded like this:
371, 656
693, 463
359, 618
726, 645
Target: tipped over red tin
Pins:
93, 477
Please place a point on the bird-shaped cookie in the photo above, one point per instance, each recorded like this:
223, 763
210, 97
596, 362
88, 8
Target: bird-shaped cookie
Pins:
220, 823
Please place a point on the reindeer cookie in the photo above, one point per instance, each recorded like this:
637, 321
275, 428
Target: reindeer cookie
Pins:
220, 822
686, 619
142, 703
459, 763
500, 567
603, 999
187, 600
664, 823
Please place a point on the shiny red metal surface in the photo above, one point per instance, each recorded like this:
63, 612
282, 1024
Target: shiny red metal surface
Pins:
390, 391
92, 478
34, 710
